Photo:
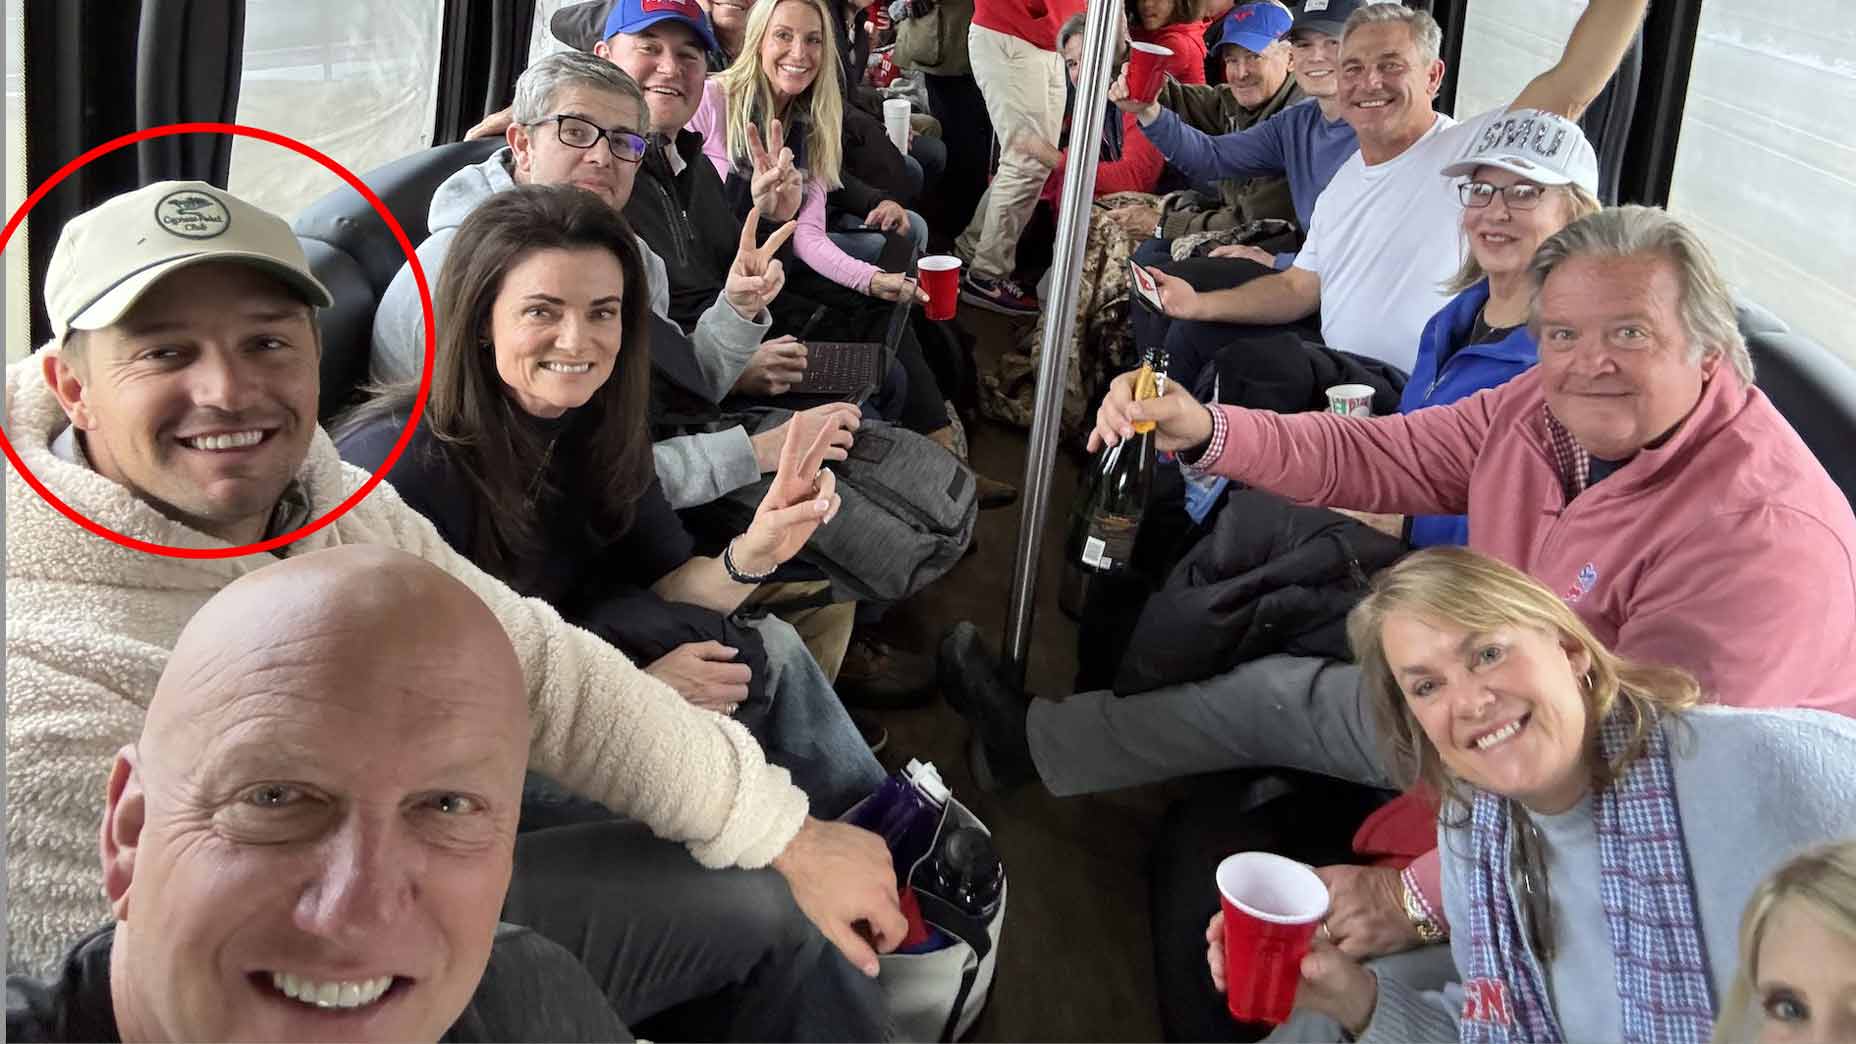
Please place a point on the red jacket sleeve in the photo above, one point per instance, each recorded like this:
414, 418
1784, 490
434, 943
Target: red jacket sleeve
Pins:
1138, 169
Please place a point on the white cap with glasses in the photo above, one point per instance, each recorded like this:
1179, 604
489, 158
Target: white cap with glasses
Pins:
1543, 147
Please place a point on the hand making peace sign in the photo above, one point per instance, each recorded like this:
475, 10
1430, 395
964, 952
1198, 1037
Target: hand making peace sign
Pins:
776, 186
756, 276
802, 497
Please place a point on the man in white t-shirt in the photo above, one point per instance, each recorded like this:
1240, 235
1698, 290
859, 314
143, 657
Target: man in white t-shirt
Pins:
1384, 236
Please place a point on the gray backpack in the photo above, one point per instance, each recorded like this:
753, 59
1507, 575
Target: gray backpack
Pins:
907, 517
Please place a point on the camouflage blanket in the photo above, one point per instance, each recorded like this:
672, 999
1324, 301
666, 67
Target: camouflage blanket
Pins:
1102, 344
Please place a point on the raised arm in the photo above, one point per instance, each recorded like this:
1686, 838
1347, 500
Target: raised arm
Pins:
1597, 44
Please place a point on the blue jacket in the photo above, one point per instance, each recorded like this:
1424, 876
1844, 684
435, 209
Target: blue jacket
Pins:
1473, 368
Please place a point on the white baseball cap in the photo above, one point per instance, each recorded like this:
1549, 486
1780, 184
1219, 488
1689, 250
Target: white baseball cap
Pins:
110, 255
1543, 147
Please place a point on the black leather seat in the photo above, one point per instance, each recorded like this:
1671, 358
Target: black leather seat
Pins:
353, 253
1813, 389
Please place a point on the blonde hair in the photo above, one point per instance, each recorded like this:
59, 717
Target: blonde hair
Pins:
1479, 593
750, 96
1823, 877
1579, 204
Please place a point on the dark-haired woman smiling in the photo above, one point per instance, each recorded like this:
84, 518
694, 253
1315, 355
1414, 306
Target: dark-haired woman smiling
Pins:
533, 459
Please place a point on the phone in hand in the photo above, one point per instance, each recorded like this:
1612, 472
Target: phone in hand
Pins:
1141, 283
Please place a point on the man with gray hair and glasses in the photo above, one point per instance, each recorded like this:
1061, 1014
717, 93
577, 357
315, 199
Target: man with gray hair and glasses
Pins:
1636, 470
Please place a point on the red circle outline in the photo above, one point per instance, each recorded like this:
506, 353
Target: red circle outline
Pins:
425, 303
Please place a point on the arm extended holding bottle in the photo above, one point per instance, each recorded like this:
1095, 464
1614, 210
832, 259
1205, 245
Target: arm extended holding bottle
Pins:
1418, 463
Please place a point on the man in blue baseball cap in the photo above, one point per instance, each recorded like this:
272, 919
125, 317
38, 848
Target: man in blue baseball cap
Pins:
635, 16
1254, 51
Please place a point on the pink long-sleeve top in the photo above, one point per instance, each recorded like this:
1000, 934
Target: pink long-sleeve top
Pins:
810, 242
1723, 551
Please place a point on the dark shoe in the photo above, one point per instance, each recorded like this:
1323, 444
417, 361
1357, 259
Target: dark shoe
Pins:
972, 682
992, 493
996, 295
882, 677
871, 730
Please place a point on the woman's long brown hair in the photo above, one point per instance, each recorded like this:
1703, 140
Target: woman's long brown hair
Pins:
470, 411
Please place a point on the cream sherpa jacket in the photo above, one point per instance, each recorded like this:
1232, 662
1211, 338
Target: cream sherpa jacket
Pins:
89, 625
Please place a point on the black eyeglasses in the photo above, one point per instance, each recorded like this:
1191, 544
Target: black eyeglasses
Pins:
1521, 195
578, 133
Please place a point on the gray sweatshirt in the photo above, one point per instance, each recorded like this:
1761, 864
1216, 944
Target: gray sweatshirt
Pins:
693, 469
1753, 787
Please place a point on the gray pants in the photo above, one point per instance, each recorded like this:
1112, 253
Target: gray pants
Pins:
807, 730
725, 952
1280, 711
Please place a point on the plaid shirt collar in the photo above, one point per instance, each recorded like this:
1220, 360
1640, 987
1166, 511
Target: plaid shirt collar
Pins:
1570, 459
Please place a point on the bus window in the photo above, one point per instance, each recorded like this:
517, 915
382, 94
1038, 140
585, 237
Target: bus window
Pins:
541, 42
1506, 43
1766, 164
18, 286
355, 79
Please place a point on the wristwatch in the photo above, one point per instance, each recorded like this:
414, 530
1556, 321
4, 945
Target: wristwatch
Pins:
1429, 931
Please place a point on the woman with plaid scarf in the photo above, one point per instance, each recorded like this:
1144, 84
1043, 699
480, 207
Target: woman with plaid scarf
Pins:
1600, 831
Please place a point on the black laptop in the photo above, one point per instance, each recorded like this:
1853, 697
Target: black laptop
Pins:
853, 370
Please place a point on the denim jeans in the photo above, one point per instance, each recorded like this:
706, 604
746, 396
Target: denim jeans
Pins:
807, 730
868, 246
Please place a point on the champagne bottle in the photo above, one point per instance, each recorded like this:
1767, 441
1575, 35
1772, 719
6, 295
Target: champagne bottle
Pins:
1107, 520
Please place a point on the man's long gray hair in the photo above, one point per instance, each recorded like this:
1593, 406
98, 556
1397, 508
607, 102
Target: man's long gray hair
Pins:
1707, 308
540, 82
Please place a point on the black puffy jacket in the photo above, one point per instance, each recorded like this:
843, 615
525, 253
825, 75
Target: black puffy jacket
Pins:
1271, 577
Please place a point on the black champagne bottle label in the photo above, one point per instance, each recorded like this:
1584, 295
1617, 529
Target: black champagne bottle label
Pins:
1110, 540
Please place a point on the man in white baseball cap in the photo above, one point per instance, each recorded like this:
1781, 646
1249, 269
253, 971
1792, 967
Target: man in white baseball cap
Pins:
187, 355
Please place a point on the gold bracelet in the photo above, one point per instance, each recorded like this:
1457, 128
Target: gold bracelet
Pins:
1430, 932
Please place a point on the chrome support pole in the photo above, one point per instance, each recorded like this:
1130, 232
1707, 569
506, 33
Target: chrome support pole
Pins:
1099, 44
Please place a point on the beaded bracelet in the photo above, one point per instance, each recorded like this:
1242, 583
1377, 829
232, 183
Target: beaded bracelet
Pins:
735, 573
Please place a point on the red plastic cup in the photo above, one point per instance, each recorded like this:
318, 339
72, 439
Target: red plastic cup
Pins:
940, 276
1144, 73
1272, 907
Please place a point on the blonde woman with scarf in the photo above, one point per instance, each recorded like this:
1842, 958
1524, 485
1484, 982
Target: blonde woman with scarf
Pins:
1600, 829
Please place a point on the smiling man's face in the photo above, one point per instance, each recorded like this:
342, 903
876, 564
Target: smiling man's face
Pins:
202, 399
314, 835
668, 61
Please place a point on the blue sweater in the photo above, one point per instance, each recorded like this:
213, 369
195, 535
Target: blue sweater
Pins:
1472, 368
1296, 142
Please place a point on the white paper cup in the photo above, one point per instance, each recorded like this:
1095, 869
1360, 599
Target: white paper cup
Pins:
896, 122
1351, 400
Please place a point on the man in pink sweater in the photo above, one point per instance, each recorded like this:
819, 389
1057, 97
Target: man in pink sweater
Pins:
1635, 469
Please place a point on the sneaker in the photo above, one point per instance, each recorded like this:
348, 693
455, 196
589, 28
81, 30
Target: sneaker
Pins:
997, 295
971, 681
880, 676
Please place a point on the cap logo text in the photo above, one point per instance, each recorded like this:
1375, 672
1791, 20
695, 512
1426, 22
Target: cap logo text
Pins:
686, 8
192, 214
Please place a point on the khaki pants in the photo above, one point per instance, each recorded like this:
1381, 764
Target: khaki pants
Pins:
826, 629
1024, 88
